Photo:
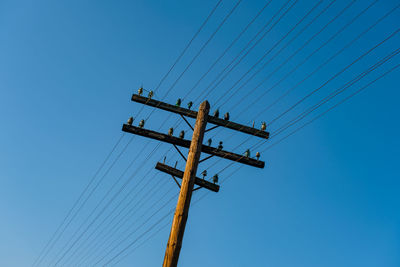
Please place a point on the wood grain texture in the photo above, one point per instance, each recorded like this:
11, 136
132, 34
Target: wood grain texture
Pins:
182, 208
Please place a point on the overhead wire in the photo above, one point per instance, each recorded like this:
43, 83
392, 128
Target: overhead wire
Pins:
336, 75
199, 52
185, 49
94, 188
312, 53
106, 233
337, 92
277, 43
228, 48
266, 54
131, 164
279, 141
92, 222
214, 86
82, 243
131, 233
38, 260
121, 236
332, 107
218, 76
284, 47
348, 84
396, 66
321, 65
342, 71
67, 248
57, 234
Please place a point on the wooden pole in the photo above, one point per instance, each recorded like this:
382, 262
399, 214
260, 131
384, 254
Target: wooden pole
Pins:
182, 208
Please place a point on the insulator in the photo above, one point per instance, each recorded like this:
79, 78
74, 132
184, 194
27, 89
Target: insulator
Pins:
226, 116
130, 121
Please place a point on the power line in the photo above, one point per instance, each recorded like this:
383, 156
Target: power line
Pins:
162, 227
312, 120
325, 62
265, 55
185, 49
93, 189
121, 236
75, 233
228, 48
255, 44
349, 83
107, 231
199, 52
57, 234
310, 55
284, 47
208, 88
79, 247
337, 92
332, 107
306, 26
188, 45
204, 46
100, 213
124, 250
337, 74
131, 233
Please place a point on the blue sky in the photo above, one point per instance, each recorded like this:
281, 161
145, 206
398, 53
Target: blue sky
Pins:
328, 196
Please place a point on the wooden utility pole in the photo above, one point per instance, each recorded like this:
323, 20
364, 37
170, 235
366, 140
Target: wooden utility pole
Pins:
195, 146
182, 208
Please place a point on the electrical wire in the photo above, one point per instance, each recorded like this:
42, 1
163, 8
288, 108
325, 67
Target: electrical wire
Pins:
329, 97
228, 48
57, 234
255, 44
336, 92
96, 186
185, 49
121, 237
279, 141
284, 47
79, 247
103, 236
265, 55
343, 101
336, 75
60, 257
310, 55
323, 64
131, 233
208, 88
332, 107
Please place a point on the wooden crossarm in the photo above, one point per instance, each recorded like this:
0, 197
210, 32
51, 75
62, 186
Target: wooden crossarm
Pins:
186, 143
179, 174
193, 114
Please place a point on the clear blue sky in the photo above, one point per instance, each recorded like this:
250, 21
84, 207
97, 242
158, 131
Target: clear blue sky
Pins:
328, 196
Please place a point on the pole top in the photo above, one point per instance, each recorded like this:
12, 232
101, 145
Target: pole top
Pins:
205, 105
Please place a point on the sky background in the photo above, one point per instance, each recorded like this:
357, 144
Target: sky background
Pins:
328, 196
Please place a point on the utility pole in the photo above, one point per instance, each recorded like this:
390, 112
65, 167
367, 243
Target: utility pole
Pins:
195, 146
182, 208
